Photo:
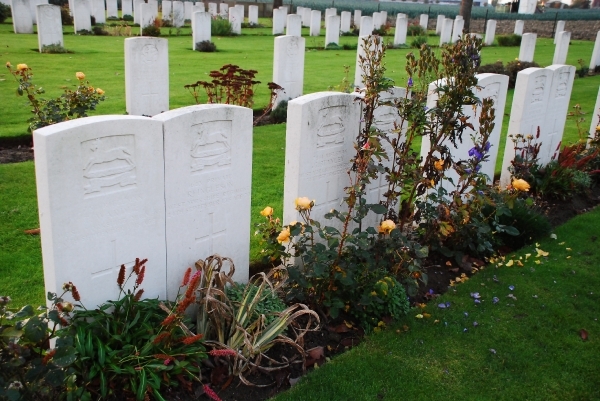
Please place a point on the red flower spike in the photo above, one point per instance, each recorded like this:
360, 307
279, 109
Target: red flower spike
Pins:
210, 393
121, 278
186, 277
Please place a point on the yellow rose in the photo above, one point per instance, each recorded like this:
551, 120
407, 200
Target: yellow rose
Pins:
304, 203
387, 226
99, 91
21, 67
597, 127
80, 75
8, 64
520, 185
284, 236
266, 212
439, 165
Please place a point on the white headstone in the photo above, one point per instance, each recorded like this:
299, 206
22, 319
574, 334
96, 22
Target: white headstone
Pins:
278, 25
105, 172
112, 10
519, 24
360, 52
329, 12
306, 17
126, 7
457, 29
446, 36
146, 76
383, 16
528, 111
81, 16
595, 119
527, 49
439, 23
178, 14
357, 18
33, 8
21, 16
167, 9
459, 17
199, 8
490, 32
424, 21
154, 4
320, 135
98, 11
527, 6
284, 11
147, 16
294, 25
236, 17
346, 17
253, 15
401, 27
137, 12
223, 9
560, 26
212, 9
187, 9
556, 111
366, 27
377, 20
49, 27
315, 23
596, 53
208, 178
332, 30
562, 47
288, 66
201, 28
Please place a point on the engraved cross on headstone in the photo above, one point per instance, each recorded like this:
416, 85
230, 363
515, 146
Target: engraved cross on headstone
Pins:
210, 236
117, 261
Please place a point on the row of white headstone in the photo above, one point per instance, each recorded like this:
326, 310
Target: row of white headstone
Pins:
176, 187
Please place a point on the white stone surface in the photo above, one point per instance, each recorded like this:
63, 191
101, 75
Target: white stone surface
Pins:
424, 21
236, 17
146, 76
596, 53
201, 28
33, 8
328, 13
288, 66
377, 20
223, 9
178, 14
137, 12
562, 47
357, 18
98, 11
332, 30
527, 6
528, 112
401, 28
278, 22
320, 136
253, 15
446, 36
49, 27
315, 23
519, 25
366, 26
294, 25
112, 10
167, 10
560, 26
81, 15
198, 7
21, 16
346, 17
306, 17
100, 188
212, 9
556, 111
187, 10
147, 11
527, 49
595, 118
208, 178
126, 7
284, 12
457, 29
490, 32
439, 24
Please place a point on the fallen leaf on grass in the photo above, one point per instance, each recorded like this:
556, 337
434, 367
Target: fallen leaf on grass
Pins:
314, 355
583, 334
35, 231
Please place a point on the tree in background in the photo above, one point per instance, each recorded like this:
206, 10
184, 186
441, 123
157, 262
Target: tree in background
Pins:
465, 11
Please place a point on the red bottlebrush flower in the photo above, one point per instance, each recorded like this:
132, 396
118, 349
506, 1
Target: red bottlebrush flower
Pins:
121, 278
59, 306
138, 295
48, 356
75, 293
195, 280
167, 361
192, 339
140, 276
161, 337
161, 356
137, 267
168, 320
210, 393
184, 305
222, 352
63, 321
186, 277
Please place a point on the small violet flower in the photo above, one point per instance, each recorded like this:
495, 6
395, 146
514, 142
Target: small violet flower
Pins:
475, 324
444, 305
495, 300
475, 295
511, 287
410, 82
467, 314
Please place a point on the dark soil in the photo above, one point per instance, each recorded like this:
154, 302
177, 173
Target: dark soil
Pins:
333, 337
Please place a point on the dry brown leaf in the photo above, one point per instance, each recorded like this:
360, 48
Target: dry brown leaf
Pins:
35, 231
583, 334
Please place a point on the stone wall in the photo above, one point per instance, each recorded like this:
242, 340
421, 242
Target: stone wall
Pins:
579, 29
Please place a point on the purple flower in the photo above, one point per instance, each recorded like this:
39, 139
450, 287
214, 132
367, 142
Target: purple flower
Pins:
477, 168
487, 146
444, 305
477, 301
474, 152
431, 292
467, 314
465, 330
495, 300
475, 295
468, 171
511, 287
410, 82
475, 324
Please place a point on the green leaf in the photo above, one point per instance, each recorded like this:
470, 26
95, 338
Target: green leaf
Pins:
35, 330
103, 385
101, 352
422, 252
378, 209
25, 311
141, 391
64, 356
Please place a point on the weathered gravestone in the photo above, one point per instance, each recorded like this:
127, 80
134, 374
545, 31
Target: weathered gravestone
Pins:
439, 23
137, 11
361, 53
212, 9
21, 16
200, 28
377, 20
315, 23
596, 53
457, 29
328, 13
100, 185
33, 8
284, 12
527, 49
288, 66
519, 24
146, 76
320, 135
332, 30
167, 10
187, 10
81, 16
346, 17
199, 8
424, 21
98, 11
278, 25
49, 26
147, 18
446, 36
562, 47
127, 7
306, 17
560, 26
294, 25
208, 178
253, 15
401, 28
112, 10
490, 32
236, 17
595, 120
366, 27
178, 14
357, 18
223, 9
